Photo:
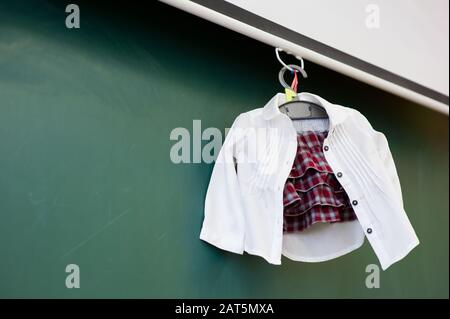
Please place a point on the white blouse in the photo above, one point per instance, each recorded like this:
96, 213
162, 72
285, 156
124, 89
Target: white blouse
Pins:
244, 201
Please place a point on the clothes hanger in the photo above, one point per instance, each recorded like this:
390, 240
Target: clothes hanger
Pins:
295, 108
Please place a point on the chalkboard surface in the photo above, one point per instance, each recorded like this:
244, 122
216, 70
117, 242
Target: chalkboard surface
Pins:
86, 176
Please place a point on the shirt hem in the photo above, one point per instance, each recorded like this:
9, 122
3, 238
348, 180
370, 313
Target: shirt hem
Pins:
326, 257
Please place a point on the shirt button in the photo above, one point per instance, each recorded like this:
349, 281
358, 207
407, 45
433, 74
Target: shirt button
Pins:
339, 174
369, 230
355, 202
326, 148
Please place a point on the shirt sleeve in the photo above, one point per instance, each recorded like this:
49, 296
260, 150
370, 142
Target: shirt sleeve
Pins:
384, 152
224, 221
388, 161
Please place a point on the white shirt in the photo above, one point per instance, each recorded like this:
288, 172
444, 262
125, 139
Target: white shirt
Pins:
244, 200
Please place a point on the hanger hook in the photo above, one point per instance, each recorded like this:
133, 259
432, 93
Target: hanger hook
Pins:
277, 53
293, 67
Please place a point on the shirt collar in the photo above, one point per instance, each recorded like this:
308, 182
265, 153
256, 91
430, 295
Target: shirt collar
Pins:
335, 112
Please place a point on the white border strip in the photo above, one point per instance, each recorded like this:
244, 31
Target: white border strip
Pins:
310, 55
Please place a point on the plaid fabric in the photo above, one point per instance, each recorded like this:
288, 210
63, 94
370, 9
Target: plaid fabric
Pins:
318, 214
310, 154
312, 193
313, 187
319, 195
312, 178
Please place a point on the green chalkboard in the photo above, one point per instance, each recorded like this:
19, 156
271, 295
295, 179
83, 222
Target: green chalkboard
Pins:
85, 171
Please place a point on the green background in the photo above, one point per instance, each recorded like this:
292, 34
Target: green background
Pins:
86, 178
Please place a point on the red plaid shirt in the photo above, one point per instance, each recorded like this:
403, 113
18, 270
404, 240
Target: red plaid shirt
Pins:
312, 193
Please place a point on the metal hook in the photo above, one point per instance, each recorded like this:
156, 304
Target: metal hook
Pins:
277, 53
295, 68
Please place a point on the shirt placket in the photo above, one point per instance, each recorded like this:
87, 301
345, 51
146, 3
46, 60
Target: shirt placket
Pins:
355, 195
